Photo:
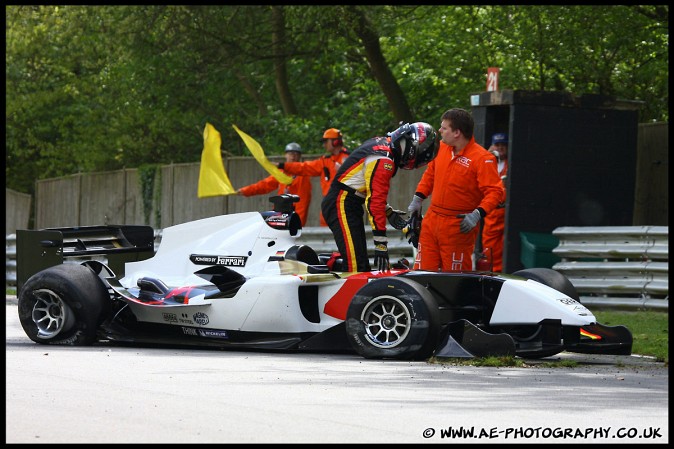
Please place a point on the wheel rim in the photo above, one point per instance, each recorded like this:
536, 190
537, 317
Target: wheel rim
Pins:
50, 314
387, 321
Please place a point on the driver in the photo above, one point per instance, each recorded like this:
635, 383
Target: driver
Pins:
363, 180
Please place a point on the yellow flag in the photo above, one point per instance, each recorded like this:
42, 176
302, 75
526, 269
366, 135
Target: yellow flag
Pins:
258, 152
213, 179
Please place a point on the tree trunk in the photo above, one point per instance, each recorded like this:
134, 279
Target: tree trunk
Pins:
380, 70
280, 72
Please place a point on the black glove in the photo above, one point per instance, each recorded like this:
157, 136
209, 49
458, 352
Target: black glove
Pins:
280, 165
381, 261
412, 230
395, 217
469, 221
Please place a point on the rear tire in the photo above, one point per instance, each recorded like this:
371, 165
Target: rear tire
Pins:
393, 318
63, 305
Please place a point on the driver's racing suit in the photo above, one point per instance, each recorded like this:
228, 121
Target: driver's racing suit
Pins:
363, 179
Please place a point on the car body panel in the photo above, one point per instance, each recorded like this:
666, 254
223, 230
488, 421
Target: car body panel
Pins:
241, 280
519, 295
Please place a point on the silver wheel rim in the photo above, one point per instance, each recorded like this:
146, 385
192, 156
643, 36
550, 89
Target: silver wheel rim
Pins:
50, 314
387, 321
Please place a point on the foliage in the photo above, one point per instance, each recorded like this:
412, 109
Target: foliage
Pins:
149, 176
98, 88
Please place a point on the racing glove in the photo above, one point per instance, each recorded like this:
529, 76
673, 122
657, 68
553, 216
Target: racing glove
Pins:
395, 217
412, 230
381, 261
280, 165
415, 205
469, 220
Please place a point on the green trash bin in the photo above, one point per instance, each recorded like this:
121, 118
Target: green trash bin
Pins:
536, 250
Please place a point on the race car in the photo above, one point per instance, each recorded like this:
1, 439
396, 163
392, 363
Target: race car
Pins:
243, 281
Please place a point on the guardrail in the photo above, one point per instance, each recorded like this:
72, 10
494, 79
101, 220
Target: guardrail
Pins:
319, 238
616, 266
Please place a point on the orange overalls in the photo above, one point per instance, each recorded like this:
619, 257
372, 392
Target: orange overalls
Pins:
457, 185
325, 166
494, 227
300, 186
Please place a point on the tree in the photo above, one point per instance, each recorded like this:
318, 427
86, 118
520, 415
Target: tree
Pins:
96, 88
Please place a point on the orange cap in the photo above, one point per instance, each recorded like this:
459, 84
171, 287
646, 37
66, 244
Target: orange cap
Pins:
332, 133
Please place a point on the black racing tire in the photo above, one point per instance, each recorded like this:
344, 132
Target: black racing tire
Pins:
63, 305
393, 318
551, 278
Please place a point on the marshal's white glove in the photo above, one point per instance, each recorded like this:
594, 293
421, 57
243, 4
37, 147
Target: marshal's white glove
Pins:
415, 206
469, 221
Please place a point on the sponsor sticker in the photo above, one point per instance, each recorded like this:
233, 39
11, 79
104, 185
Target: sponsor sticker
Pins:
227, 261
575, 306
201, 318
211, 333
463, 160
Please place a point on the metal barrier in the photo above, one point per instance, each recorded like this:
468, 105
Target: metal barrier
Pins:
319, 238
616, 266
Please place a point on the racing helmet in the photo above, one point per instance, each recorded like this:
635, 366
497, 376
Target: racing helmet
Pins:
293, 146
414, 145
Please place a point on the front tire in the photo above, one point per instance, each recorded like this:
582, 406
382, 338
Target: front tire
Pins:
551, 278
63, 305
393, 318
523, 335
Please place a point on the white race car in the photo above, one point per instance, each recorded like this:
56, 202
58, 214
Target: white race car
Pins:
242, 281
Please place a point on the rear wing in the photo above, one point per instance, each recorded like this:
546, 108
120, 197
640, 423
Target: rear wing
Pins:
119, 244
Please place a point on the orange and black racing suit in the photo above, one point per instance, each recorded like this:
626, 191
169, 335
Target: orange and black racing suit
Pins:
363, 179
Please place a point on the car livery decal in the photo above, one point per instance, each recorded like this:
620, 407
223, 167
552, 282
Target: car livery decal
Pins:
201, 318
211, 333
339, 303
586, 333
226, 261
208, 333
575, 306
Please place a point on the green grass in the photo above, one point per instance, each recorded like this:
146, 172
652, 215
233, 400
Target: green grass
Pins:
650, 330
